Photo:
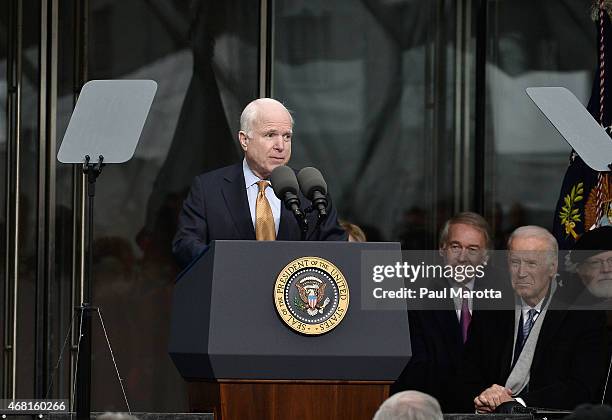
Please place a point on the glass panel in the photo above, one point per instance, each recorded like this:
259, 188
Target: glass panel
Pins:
4, 24
367, 84
61, 289
28, 170
203, 55
544, 43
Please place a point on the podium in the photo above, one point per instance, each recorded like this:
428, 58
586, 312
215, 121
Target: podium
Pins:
242, 361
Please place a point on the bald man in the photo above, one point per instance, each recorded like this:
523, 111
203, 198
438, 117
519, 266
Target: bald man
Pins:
223, 204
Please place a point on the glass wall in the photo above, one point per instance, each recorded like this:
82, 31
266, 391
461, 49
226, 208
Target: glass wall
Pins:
61, 310
543, 43
383, 95
204, 57
4, 17
28, 197
367, 82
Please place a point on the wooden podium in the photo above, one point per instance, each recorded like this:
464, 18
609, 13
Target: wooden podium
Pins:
287, 399
242, 361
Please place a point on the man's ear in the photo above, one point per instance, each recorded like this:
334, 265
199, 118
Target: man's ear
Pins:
554, 268
243, 140
485, 259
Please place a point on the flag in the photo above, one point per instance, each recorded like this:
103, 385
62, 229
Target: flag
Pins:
585, 197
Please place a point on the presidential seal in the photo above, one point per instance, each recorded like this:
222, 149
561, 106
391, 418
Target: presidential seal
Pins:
311, 295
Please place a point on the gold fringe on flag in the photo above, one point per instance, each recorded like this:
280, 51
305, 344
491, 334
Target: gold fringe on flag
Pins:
607, 5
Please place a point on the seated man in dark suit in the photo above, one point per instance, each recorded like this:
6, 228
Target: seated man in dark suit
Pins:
591, 260
438, 336
540, 354
234, 202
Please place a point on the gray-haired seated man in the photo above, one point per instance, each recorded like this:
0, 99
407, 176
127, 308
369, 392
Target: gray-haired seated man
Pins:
540, 354
591, 260
409, 405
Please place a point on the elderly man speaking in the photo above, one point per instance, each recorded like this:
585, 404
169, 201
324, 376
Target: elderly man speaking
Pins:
235, 202
540, 354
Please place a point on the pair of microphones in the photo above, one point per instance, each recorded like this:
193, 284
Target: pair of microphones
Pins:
310, 181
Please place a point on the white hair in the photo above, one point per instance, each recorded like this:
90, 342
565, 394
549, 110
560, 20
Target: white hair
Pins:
116, 416
250, 114
409, 405
540, 233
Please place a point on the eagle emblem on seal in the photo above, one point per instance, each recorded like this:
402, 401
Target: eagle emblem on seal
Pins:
312, 295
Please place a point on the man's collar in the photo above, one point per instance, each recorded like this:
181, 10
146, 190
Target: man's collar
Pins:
249, 177
525, 306
469, 284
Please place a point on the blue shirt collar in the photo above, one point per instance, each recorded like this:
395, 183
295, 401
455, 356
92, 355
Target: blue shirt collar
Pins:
249, 177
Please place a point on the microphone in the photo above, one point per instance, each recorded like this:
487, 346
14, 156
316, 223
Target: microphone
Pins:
285, 186
314, 187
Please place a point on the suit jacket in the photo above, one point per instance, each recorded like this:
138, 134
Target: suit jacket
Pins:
569, 364
217, 208
437, 346
435, 338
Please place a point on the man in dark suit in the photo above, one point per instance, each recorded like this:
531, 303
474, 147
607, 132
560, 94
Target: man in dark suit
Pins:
438, 336
235, 202
540, 354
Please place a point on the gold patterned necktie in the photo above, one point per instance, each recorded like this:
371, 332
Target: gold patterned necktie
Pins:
264, 220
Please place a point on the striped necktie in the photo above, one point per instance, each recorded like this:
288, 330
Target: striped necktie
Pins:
528, 325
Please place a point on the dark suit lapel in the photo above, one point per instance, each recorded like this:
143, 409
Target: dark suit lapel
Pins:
505, 334
234, 193
448, 322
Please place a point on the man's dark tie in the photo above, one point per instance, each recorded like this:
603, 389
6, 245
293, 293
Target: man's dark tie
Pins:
523, 333
466, 317
527, 326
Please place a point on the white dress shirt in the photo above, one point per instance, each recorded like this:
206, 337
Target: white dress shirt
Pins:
459, 301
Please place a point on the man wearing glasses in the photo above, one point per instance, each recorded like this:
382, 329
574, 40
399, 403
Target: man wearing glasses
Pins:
237, 201
592, 255
438, 336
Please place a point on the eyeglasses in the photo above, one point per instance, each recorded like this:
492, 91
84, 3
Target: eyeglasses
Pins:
597, 264
457, 249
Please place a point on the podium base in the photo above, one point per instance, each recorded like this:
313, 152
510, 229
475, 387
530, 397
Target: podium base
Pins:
245, 400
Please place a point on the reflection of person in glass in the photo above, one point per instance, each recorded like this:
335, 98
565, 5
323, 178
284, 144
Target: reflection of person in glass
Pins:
593, 256
235, 202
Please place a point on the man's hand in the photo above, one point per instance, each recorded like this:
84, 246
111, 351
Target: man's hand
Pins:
491, 398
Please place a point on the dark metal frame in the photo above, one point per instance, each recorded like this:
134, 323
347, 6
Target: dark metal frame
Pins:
81, 24
45, 229
266, 47
12, 186
481, 107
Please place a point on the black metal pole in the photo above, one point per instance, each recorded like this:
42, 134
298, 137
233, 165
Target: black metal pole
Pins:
481, 107
83, 382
